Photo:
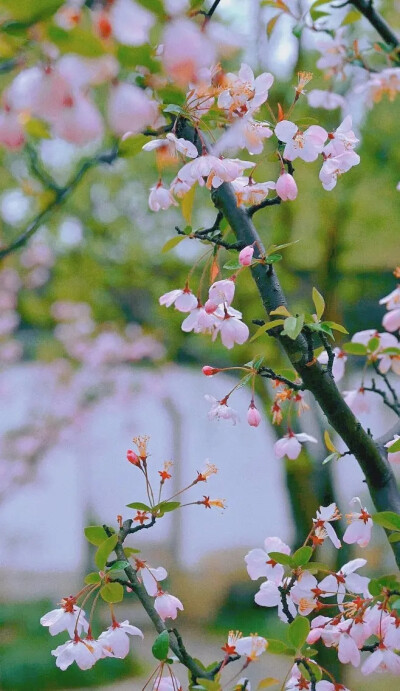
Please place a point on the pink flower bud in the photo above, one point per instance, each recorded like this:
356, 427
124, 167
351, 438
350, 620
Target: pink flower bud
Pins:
286, 187
253, 415
132, 457
210, 307
246, 255
210, 371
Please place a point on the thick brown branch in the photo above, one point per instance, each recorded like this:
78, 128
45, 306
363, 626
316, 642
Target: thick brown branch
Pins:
366, 7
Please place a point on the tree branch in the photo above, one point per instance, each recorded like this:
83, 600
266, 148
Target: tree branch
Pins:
267, 202
366, 7
60, 196
201, 235
270, 374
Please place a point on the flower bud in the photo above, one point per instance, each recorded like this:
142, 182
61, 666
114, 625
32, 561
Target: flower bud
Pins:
210, 371
286, 187
132, 457
253, 415
210, 307
246, 255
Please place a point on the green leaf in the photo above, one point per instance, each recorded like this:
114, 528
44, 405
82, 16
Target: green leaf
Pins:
387, 519
76, 40
276, 647
171, 243
329, 443
258, 362
390, 351
139, 506
112, 592
92, 577
155, 6
267, 683
316, 566
351, 17
355, 348
95, 534
373, 344
273, 258
319, 302
119, 565
104, 551
302, 556
281, 558
394, 537
281, 311
314, 669
131, 550
132, 145
232, 265
292, 326
317, 14
167, 506
298, 631
393, 448
160, 646
276, 248
331, 457
174, 109
31, 10
266, 327
133, 56
37, 129
336, 327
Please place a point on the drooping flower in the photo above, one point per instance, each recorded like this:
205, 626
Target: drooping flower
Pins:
167, 605
184, 300
67, 618
290, 445
199, 321
246, 255
252, 646
360, 526
357, 400
214, 169
116, 638
85, 652
382, 660
220, 292
249, 192
286, 187
173, 146
305, 145
220, 410
253, 415
160, 197
230, 327
150, 576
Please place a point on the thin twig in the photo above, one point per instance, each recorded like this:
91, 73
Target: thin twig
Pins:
270, 374
267, 202
200, 235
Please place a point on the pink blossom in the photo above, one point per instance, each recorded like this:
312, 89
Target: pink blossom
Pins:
221, 292
186, 49
246, 255
338, 367
84, 652
12, 134
305, 145
322, 524
391, 320
290, 445
68, 618
360, 525
253, 415
336, 164
318, 98
333, 51
252, 646
357, 400
392, 301
259, 564
215, 169
220, 410
286, 187
395, 456
130, 109
245, 93
304, 594
115, 638
79, 122
131, 22
81, 72
346, 579
150, 577
382, 660
167, 605
174, 145
199, 321
230, 327
244, 133
184, 300
249, 192
160, 197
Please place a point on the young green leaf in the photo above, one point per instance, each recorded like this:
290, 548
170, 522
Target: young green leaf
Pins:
92, 578
160, 646
119, 565
139, 506
104, 551
394, 448
355, 348
292, 326
302, 556
298, 632
387, 519
171, 243
281, 311
95, 534
319, 302
266, 327
329, 443
112, 592
281, 558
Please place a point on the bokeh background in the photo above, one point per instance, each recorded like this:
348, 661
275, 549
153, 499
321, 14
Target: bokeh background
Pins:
98, 361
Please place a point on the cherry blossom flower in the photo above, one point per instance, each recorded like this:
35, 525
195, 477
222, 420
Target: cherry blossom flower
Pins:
12, 134
186, 49
346, 579
338, 367
360, 526
173, 145
395, 456
199, 321
249, 192
269, 595
167, 605
322, 524
305, 145
67, 618
184, 300
160, 197
131, 22
220, 292
230, 327
244, 93
335, 165
253, 415
84, 652
246, 255
392, 301
382, 660
130, 109
252, 646
286, 187
259, 564
333, 52
317, 98
150, 577
116, 638
215, 169
391, 320
305, 593
220, 410
81, 72
290, 445
357, 400
79, 121
380, 83
244, 133
344, 134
